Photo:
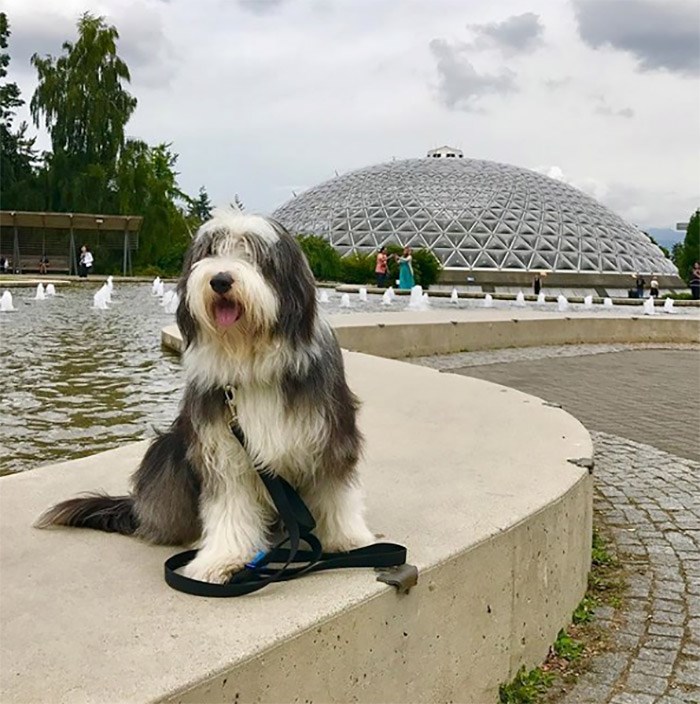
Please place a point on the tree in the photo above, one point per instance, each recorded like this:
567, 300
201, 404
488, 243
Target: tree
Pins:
200, 207
685, 255
18, 157
237, 203
82, 102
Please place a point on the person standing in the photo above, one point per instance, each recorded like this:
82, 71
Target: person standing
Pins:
695, 281
381, 268
640, 286
86, 261
406, 279
537, 285
654, 287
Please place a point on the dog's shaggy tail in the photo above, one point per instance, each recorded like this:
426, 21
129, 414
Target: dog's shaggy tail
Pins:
112, 514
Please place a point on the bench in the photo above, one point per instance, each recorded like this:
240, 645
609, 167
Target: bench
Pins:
31, 264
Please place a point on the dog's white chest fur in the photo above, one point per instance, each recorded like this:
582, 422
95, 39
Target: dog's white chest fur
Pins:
288, 441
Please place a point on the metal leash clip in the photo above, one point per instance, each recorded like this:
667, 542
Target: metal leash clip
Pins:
230, 394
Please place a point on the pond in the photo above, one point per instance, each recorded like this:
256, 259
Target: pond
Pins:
76, 380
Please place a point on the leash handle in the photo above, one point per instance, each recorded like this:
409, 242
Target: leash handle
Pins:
247, 581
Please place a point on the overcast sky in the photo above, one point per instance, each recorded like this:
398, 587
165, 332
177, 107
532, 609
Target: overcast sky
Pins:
263, 97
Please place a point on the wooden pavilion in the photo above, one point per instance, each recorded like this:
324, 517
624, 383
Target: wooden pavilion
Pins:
27, 237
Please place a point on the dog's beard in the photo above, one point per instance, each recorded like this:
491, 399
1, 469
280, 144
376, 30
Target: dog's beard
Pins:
247, 310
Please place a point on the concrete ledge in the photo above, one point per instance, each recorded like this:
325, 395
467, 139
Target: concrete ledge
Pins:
443, 332
410, 334
474, 478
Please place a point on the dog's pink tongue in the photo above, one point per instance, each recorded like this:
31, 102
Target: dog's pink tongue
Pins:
226, 314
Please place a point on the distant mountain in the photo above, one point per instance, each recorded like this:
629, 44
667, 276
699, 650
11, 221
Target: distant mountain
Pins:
665, 236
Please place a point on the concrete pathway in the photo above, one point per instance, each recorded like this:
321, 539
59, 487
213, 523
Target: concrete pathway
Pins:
647, 498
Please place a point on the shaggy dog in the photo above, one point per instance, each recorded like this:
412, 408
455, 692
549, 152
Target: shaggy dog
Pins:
248, 317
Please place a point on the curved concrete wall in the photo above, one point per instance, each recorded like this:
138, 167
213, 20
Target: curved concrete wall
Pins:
474, 478
445, 332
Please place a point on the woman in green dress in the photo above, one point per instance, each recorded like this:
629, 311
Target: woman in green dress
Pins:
406, 279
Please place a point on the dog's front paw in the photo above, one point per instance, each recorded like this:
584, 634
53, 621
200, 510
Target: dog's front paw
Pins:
216, 570
344, 541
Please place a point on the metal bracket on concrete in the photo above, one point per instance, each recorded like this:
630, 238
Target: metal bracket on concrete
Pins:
585, 462
552, 405
403, 577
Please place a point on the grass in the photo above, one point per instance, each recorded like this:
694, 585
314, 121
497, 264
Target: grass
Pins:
579, 642
526, 688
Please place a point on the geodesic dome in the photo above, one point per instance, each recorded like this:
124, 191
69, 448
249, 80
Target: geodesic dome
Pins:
473, 214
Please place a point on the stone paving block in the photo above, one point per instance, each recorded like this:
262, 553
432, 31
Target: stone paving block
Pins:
687, 672
673, 605
673, 618
648, 653
656, 668
664, 629
647, 684
662, 642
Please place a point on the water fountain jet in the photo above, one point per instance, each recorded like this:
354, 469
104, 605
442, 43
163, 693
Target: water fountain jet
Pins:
6, 303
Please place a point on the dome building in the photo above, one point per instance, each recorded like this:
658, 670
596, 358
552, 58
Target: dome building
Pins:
489, 224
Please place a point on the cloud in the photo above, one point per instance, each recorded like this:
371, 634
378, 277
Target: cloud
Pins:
514, 35
260, 7
660, 34
556, 83
142, 40
603, 108
460, 86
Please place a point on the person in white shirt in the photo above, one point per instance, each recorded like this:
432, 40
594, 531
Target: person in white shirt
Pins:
86, 261
654, 287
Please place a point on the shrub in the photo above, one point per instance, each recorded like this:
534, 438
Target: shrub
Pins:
323, 259
358, 268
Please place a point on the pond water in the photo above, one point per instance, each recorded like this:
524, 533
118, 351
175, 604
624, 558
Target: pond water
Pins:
76, 380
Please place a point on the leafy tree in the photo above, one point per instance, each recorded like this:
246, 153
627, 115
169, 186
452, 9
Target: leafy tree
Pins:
82, 102
685, 255
323, 259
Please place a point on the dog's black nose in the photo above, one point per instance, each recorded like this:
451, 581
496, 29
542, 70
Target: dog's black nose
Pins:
221, 282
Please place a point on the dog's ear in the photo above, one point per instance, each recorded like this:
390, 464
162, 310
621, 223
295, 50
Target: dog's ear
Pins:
288, 271
185, 321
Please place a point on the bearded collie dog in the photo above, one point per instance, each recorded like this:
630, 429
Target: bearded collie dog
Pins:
250, 325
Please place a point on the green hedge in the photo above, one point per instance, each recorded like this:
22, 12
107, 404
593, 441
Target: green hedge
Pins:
327, 265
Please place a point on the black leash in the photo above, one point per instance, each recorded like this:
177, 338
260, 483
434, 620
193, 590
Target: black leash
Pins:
283, 563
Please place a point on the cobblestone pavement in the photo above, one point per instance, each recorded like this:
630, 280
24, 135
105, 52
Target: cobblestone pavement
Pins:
647, 498
650, 396
650, 502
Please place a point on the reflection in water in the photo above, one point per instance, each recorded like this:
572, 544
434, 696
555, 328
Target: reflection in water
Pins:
76, 380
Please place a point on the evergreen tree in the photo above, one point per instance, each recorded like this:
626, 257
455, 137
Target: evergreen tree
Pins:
18, 157
200, 207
